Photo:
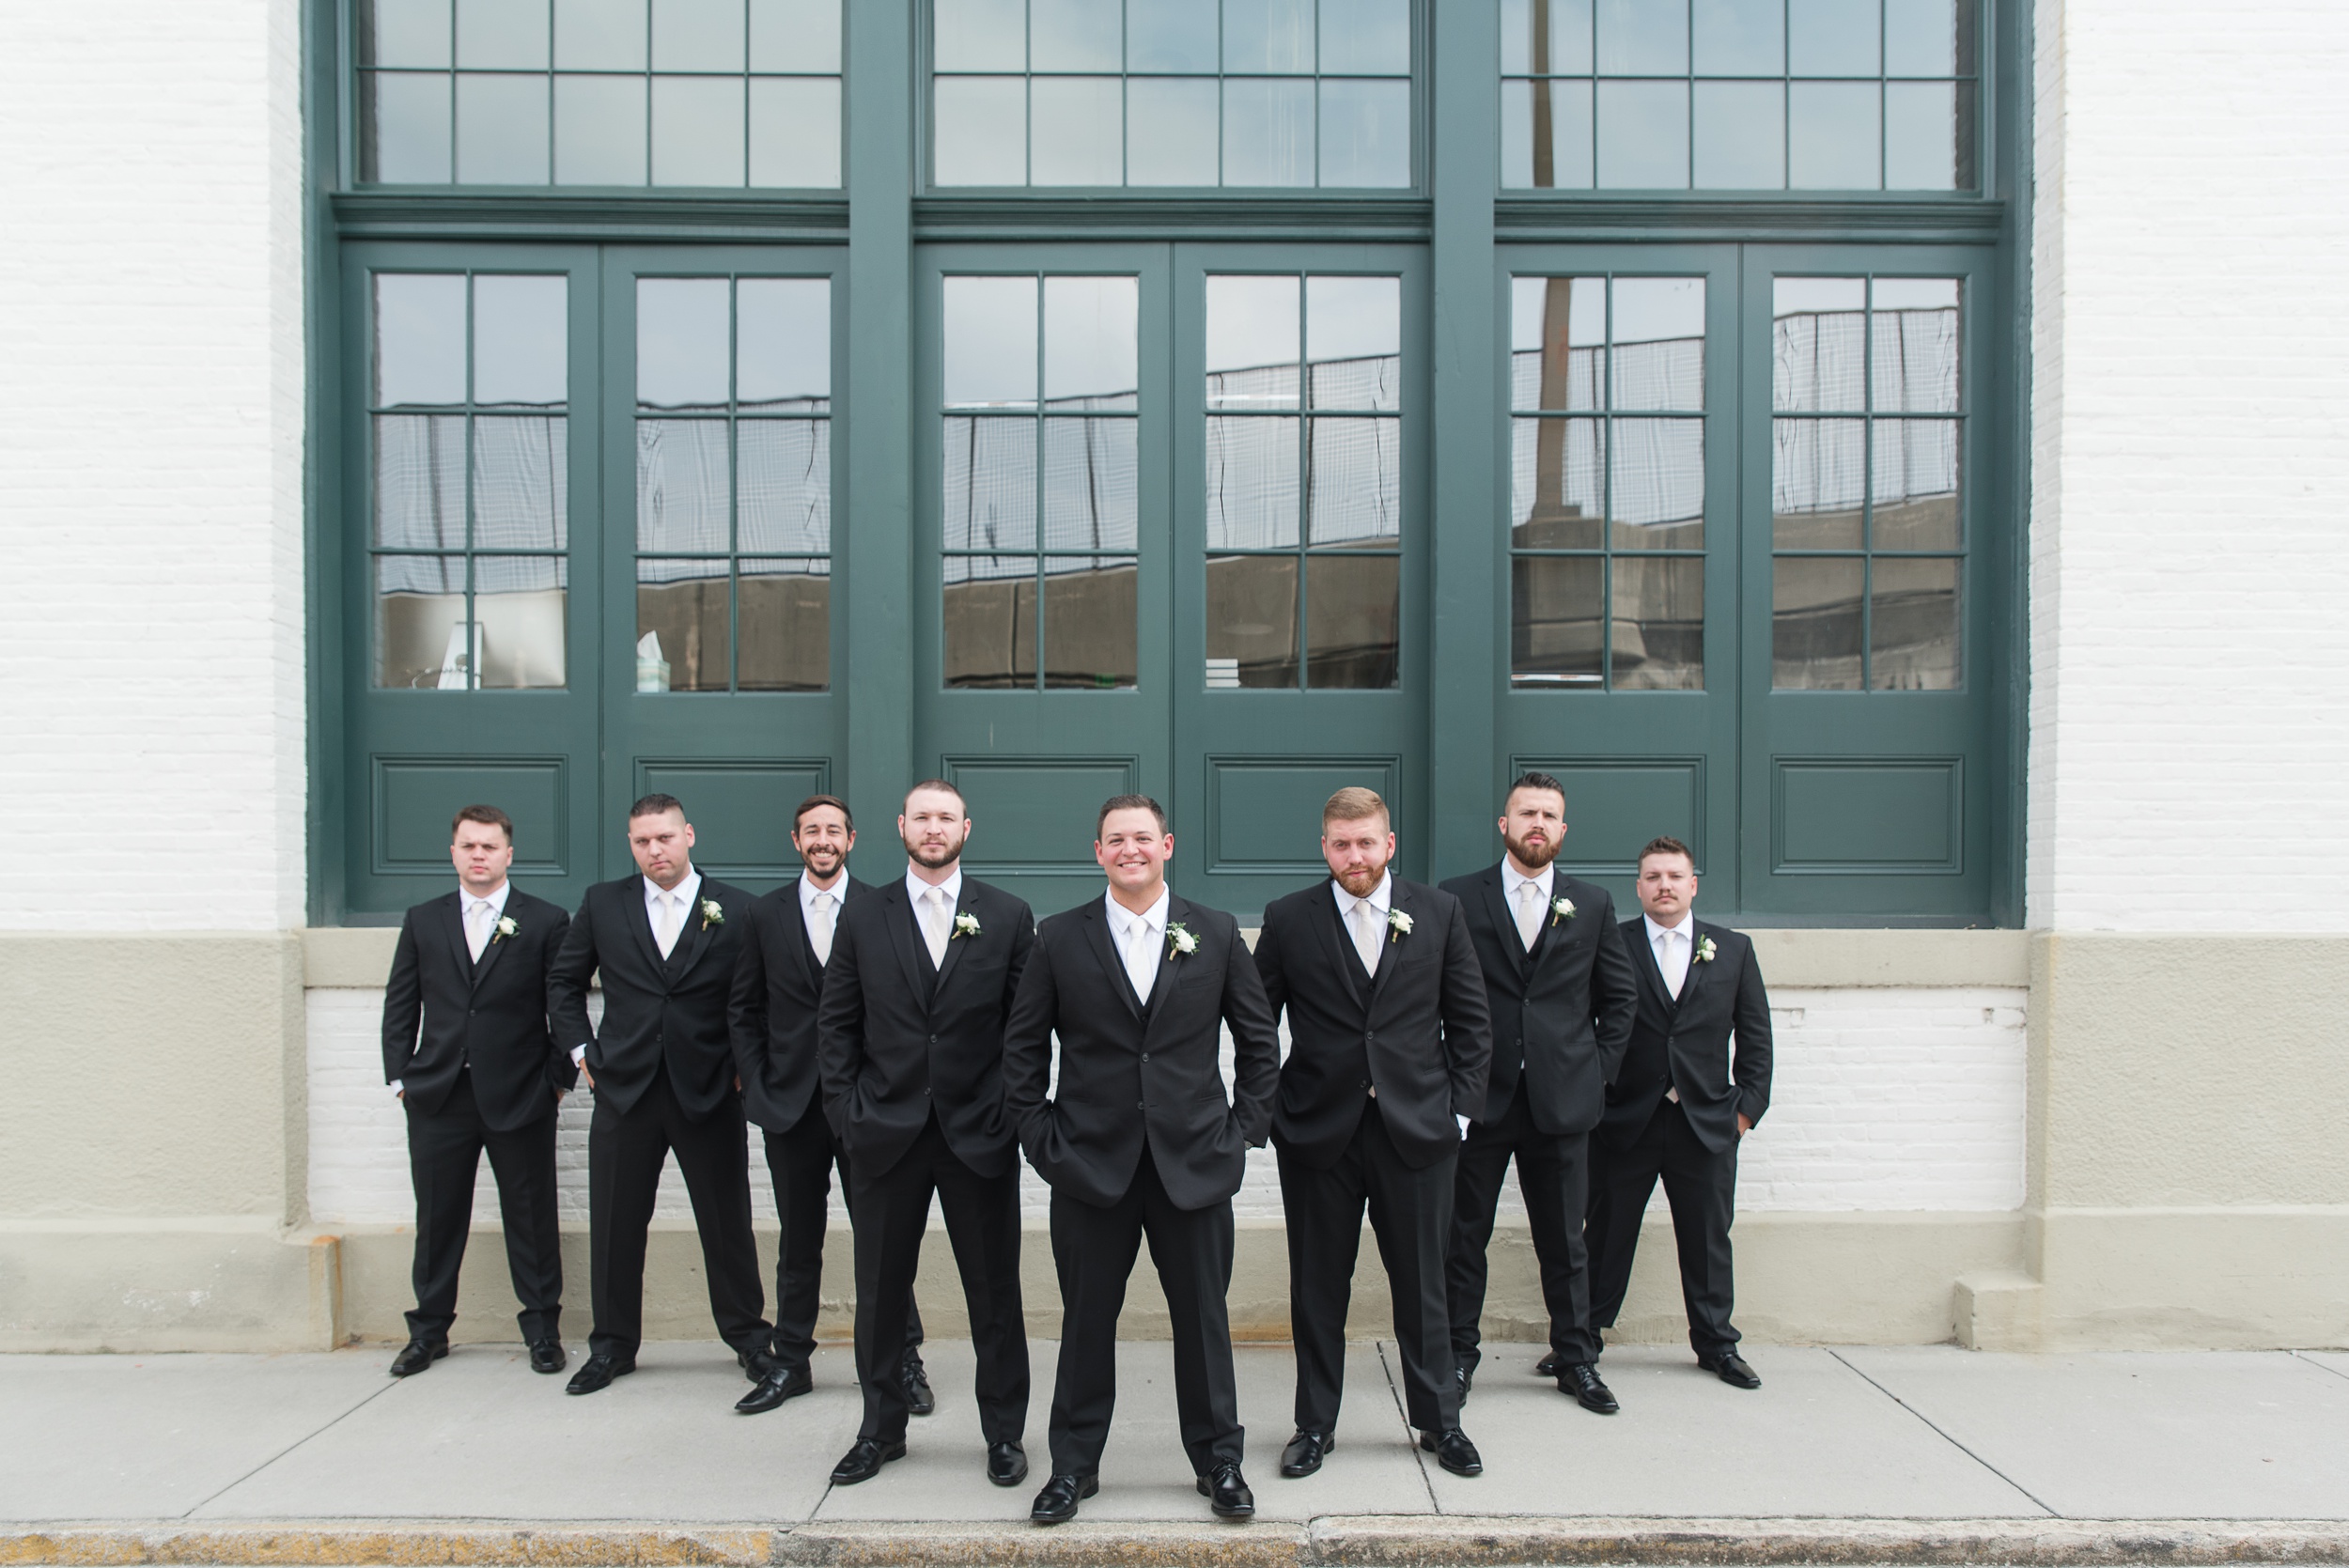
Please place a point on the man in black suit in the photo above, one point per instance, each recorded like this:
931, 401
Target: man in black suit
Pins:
776, 986
1562, 997
1389, 1042
470, 967
910, 1045
662, 1071
1139, 1139
1683, 1101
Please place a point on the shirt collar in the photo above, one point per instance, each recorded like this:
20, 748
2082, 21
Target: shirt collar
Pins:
1511, 881
688, 890
1378, 898
1122, 919
808, 891
1687, 927
465, 899
917, 889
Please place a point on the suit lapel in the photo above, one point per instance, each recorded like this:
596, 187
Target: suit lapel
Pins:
1165, 979
1644, 958
794, 933
693, 937
1696, 966
491, 950
1112, 962
954, 944
903, 933
1497, 906
1340, 944
640, 921
453, 928
1389, 961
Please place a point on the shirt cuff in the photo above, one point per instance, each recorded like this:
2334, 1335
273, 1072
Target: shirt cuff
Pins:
399, 1086
1464, 1123
578, 1056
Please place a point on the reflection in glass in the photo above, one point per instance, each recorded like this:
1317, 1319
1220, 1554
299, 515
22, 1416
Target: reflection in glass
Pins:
782, 350
697, 35
1815, 483
1369, 37
990, 484
1643, 134
1353, 619
1658, 329
1927, 37
1251, 483
1268, 132
1089, 631
1740, 135
1252, 618
1355, 494
1546, 135
681, 486
1915, 337
1170, 132
1914, 492
1833, 38
1365, 132
989, 608
681, 342
600, 35
1920, 136
1657, 499
1815, 619
1252, 342
1073, 35
1912, 625
1640, 37
784, 643
599, 131
520, 483
1541, 35
1170, 36
501, 131
1091, 492
794, 132
1816, 345
1739, 37
404, 33
1832, 140
1557, 342
795, 35
1554, 484
501, 35
981, 131
420, 640
686, 605
696, 130
407, 121
1557, 604
1354, 341
517, 608
979, 35
783, 485
1263, 37
519, 339
1078, 124
1658, 623
990, 345
420, 481
419, 338
1090, 345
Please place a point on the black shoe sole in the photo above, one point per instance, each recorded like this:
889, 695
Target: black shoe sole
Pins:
1455, 1470
1208, 1491
1088, 1488
899, 1451
1609, 1407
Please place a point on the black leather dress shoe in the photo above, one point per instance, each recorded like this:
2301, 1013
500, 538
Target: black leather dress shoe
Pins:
416, 1355
1728, 1366
1305, 1452
1227, 1494
917, 1384
1057, 1503
1582, 1380
1452, 1451
1008, 1464
757, 1365
863, 1460
777, 1386
597, 1373
1547, 1366
547, 1355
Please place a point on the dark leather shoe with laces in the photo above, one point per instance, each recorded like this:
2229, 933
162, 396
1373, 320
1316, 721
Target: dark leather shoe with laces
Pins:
1582, 1380
1547, 1366
416, 1355
1227, 1494
1730, 1367
597, 1372
1008, 1464
1057, 1503
547, 1355
917, 1384
1452, 1451
1305, 1452
863, 1460
777, 1386
757, 1365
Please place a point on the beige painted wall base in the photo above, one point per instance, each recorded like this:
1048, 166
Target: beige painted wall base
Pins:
228, 1284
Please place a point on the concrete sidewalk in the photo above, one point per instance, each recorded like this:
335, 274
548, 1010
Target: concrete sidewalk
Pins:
1844, 1454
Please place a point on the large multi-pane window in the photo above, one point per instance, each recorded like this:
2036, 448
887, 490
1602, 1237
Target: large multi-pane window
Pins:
1304, 519
1040, 502
1843, 95
469, 430
1606, 483
1171, 92
733, 484
1868, 537
599, 92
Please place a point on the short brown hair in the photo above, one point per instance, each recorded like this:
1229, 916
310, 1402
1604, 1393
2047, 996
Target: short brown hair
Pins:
488, 816
814, 800
1353, 804
654, 805
1535, 780
939, 783
1128, 802
1665, 844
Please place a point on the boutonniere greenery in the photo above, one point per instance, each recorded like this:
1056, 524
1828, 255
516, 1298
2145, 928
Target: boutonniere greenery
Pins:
966, 924
1179, 941
1560, 909
1399, 926
713, 913
1705, 950
506, 927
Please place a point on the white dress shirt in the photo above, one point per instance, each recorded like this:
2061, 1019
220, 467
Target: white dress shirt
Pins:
819, 931
920, 891
1513, 886
1377, 900
466, 904
685, 913
1673, 946
1139, 938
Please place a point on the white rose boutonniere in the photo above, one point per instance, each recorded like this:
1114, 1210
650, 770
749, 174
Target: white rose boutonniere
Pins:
713, 913
1705, 950
1180, 943
506, 927
966, 924
1560, 909
1399, 926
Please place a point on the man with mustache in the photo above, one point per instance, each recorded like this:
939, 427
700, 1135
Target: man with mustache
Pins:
1562, 997
909, 1046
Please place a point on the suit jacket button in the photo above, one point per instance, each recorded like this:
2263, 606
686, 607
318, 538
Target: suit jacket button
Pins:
473, 1012
1142, 1105
1145, 1056
933, 1039
925, 1093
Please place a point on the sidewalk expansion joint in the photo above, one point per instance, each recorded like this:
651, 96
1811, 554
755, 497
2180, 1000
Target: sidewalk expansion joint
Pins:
1939, 1432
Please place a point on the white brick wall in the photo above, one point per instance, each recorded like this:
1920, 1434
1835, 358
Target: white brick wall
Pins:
2190, 442
150, 461
1883, 1100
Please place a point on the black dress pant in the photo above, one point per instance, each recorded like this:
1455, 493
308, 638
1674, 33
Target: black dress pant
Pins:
1410, 1211
1095, 1250
800, 1163
1554, 1173
1702, 1189
626, 1151
892, 1210
444, 1149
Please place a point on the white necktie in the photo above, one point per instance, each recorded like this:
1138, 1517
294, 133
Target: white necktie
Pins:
820, 928
1672, 956
1141, 958
1529, 914
935, 921
1365, 920
665, 928
476, 927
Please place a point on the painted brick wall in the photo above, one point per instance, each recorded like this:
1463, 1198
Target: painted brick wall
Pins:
2191, 446
151, 440
1884, 1100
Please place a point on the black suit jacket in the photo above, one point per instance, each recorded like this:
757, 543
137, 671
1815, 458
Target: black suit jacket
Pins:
654, 1010
897, 1040
777, 984
1684, 1045
1132, 1073
1418, 1029
492, 1014
1562, 1014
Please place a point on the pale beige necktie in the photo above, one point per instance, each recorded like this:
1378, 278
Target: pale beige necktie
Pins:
664, 930
1529, 914
1365, 920
820, 928
478, 927
937, 919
